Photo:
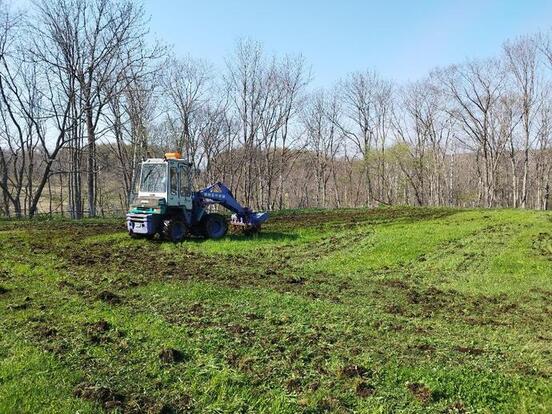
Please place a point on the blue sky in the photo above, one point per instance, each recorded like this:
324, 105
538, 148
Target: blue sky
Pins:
402, 40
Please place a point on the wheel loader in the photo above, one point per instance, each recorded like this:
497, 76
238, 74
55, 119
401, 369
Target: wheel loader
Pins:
167, 207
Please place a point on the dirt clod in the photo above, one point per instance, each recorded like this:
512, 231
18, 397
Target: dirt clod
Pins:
65, 284
109, 297
21, 305
420, 391
109, 399
253, 316
45, 332
396, 283
423, 347
96, 331
196, 309
296, 280
456, 407
364, 390
100, 326
167, 409
239, 329
352, 371
294, 385
171, 356
394, 309
469, 350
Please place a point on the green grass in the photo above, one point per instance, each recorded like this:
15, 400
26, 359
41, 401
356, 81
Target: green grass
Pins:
370, 311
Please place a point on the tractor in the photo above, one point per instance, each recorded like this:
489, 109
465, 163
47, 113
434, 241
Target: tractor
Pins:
167, 207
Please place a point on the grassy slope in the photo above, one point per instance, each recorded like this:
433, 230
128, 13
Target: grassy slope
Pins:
410, 310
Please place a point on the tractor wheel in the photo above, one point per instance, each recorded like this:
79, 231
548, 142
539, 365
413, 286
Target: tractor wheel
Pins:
174, 230
214, 226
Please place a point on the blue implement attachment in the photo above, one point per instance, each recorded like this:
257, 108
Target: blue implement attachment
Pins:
243, 216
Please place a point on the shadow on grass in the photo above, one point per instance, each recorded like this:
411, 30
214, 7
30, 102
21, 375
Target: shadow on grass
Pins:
264, 235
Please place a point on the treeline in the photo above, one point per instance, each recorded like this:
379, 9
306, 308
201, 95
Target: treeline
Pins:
85, 94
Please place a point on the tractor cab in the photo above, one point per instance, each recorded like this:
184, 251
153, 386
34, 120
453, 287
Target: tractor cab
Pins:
164, 183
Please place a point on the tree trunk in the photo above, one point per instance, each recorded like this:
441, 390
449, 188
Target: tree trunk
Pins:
91, 163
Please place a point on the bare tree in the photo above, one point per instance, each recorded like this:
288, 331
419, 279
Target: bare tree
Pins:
425, 130
187, 85
522, 63
367, 104
129, 117
475, 89
543, 157
245, 82
35, 120
323, 142
97, 41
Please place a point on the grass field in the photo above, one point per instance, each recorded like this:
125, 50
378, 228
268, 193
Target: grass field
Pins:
385, 310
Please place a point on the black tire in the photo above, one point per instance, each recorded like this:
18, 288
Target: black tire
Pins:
214, 226
174, 230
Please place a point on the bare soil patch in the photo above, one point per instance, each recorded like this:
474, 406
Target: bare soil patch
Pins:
106, 397
420, 391
364, 390
171, 356
109, 297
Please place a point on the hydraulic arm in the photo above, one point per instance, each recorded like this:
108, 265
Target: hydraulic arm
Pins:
243, 216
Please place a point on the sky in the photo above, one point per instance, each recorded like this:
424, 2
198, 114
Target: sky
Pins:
402, 40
